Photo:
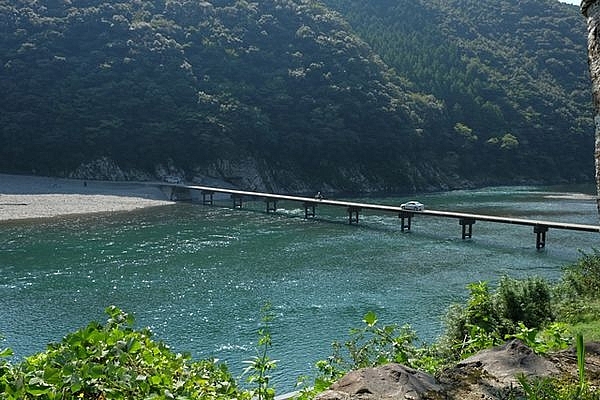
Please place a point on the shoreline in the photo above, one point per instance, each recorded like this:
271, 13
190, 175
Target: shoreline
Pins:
25, 197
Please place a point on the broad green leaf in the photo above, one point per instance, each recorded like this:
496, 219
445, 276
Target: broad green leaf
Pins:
37, 391
134, 345
6, 352
370, 318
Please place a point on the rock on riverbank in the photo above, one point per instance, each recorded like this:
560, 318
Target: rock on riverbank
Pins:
489, 375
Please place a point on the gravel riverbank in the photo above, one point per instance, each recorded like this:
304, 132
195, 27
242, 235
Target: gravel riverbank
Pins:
27, 197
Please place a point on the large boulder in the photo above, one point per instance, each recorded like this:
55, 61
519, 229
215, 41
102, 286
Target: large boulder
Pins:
489, 375
390, 382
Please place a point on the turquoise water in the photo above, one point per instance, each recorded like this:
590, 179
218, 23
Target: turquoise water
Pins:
199, 275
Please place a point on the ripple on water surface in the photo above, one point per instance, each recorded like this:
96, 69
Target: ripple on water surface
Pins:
198, 276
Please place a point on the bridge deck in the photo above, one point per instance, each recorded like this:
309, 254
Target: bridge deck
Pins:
397, 209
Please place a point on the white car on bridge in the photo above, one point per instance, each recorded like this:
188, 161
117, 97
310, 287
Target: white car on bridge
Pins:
412, 206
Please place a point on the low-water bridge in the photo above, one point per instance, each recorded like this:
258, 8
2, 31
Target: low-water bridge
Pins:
465, 220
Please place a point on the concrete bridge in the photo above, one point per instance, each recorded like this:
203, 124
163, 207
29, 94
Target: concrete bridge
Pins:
310, 204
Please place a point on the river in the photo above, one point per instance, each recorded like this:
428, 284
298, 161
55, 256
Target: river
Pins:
199, 275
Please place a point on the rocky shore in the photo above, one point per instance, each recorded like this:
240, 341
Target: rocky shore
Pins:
489, 375
28, 197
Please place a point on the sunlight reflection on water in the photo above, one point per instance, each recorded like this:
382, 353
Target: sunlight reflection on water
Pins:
198, 275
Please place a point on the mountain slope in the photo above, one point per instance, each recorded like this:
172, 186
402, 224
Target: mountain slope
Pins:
501, 67
285, 95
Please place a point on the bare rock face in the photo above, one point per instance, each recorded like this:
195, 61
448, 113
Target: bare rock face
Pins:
101, 169
390, 382
490, 375
504, 363
591, 11
106, 169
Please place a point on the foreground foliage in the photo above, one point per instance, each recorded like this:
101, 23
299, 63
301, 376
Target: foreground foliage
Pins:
556, 389
487, 318
259, 366
114, 361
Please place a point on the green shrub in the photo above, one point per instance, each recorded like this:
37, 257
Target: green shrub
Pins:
526, 301
488, 318
475, 325
578, 294
373, 345
554, 337
114, 361
582, 278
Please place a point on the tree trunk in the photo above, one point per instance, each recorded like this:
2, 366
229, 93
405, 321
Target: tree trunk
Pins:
591, 11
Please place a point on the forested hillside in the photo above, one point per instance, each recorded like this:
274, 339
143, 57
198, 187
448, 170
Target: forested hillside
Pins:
510, 73
294, 95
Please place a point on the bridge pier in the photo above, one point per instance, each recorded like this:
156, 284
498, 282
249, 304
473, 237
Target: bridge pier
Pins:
237, 200
271, 204
179, 193
467, 227
353, 214
402, 215
207, 201
309, 209
540, 236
